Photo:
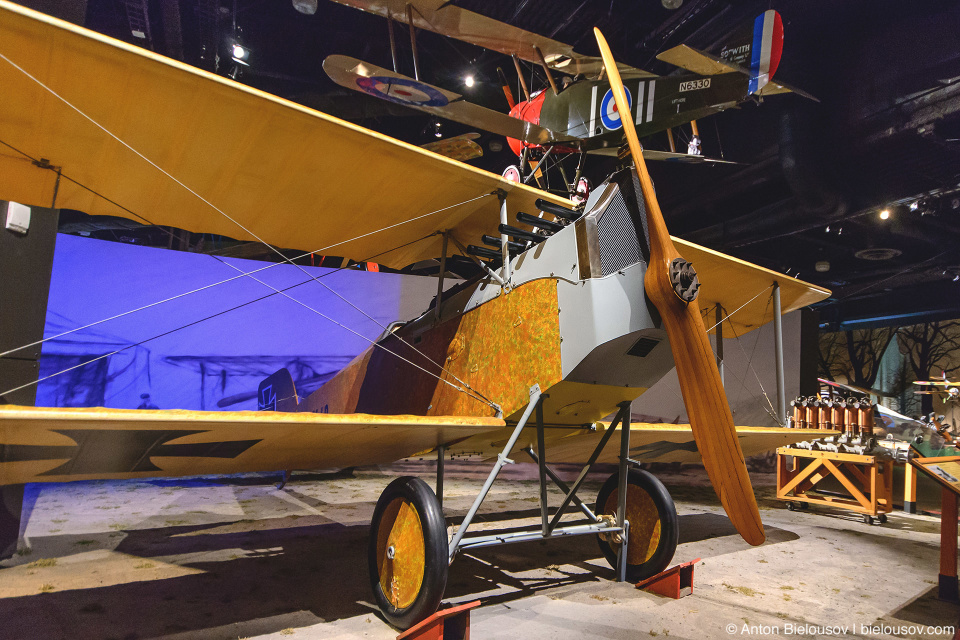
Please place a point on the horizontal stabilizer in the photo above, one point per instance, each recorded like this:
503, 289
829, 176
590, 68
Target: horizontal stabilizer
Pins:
44, 444
706, 64
665, 156
384, 84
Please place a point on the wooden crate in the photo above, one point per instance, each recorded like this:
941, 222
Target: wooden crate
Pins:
868, 480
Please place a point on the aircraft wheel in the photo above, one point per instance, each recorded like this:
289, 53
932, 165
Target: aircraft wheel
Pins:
408, 552
654, 526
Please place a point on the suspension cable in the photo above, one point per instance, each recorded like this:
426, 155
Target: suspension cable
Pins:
230, 218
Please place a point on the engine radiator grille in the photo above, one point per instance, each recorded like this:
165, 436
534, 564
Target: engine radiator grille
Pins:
617, 235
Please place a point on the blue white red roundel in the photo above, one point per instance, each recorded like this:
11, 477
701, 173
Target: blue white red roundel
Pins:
402, 91
608, 110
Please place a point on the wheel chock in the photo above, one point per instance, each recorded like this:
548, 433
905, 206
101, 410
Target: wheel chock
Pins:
674, 582
446, 624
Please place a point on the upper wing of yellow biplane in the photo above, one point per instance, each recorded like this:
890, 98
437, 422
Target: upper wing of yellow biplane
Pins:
44, 444
291, 176
204, 153
447, 19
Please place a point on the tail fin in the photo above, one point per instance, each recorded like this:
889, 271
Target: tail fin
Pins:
277, 393
756, 47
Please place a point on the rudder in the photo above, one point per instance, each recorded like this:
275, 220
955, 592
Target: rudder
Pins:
277, 392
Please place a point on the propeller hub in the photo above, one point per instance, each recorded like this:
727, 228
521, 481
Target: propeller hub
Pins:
684, 279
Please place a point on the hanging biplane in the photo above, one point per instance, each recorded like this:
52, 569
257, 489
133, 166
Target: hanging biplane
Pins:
947, 390
578, 312
577, 113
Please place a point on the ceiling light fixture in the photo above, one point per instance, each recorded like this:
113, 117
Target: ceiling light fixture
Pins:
240, 53
469, 81
885, 214
914, 205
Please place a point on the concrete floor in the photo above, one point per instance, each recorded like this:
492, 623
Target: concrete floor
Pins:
219, 558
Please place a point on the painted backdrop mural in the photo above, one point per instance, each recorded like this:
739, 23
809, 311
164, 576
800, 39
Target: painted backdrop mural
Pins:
208, 349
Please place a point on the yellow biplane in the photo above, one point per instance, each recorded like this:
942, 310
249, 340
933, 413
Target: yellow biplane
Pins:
579, 310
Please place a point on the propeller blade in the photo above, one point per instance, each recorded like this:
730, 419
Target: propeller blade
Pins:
703, 394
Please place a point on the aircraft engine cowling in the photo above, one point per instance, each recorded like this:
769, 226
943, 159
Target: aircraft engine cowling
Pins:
529, 111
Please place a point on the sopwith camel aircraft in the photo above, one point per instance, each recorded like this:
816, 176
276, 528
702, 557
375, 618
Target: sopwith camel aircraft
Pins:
573, 318
576, 113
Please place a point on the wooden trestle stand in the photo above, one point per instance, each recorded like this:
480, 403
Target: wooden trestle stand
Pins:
867, 479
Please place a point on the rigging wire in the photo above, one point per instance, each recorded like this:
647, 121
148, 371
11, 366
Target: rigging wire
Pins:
223, 213
230, 218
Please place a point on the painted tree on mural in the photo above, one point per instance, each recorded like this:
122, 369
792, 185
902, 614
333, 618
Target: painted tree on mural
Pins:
932, 350
854, 355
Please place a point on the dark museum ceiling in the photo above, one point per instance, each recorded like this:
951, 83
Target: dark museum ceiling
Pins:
813, 177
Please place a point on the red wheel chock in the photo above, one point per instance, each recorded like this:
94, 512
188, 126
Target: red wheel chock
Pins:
446, 624
675, 582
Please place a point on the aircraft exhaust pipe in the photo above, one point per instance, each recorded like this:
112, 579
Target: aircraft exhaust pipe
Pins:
540, 223
520, 233
557, 210
515, 247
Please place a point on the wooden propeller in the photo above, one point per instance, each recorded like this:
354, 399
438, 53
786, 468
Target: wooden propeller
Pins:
700, 384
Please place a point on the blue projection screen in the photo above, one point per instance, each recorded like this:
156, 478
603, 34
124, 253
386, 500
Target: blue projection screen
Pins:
206, 350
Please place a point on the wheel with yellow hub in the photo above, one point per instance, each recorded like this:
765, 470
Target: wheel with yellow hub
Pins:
408, 552
654, 526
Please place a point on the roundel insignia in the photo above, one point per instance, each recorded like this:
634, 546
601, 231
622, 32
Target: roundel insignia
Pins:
608, 110
512, 173
402, 91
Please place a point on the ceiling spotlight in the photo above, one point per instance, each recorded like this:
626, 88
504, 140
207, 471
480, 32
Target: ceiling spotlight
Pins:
436, 129
827, 229
671, 4
956, 277
914, 205
468, 81
240, 53
822, 266
885, 214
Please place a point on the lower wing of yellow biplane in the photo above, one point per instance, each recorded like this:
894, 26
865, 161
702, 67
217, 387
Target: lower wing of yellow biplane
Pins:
648, 443
41, 444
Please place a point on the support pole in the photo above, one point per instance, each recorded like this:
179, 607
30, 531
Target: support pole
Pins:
622, 489
393, 43
413, 42
542, 464
948, 547
443, 269
778, 348
720, 341
523, 83
909, 488
563, 486
546, 70
504, 239
502, 459
441, 450
673, 145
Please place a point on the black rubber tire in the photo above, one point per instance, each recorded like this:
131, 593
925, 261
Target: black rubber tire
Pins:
882, 518
421, 497
791, 506
867, 519
639, 480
